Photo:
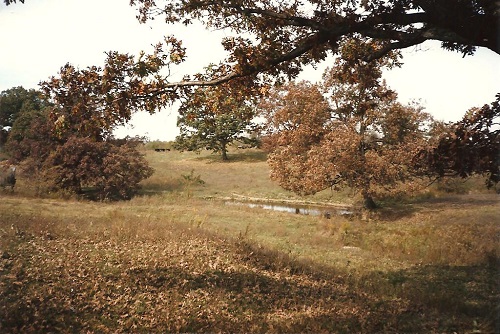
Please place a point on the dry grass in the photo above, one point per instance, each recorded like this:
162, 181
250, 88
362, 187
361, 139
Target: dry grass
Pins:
246, 173
171, 261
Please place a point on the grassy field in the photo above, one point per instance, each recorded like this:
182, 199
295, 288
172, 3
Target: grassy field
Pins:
176, 258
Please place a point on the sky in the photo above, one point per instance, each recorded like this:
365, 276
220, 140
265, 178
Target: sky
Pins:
39, 37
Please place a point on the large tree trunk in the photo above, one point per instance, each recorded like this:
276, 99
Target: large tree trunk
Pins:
368, 202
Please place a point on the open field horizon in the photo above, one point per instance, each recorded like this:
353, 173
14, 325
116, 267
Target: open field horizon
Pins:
176, 258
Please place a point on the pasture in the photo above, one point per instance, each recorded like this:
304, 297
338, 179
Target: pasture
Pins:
177, 258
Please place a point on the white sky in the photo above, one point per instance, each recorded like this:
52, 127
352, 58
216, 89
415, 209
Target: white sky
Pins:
39, 37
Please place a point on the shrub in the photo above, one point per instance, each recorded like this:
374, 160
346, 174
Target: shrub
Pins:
99, 170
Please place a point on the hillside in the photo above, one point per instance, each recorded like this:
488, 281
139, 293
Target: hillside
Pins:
178, 258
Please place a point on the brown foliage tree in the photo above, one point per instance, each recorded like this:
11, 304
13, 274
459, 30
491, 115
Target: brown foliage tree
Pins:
361, 137
470, 146
280, 38
93, 101
283, 36
106, 170
70, 145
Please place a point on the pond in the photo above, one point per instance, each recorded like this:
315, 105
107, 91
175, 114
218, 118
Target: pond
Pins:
312, 210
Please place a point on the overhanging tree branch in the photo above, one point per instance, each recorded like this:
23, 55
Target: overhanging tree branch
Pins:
403, 25
278, 38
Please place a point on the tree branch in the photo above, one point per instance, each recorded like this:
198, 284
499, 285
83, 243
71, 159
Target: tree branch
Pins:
398, 27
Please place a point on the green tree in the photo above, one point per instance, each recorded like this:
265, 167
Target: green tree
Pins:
358, 136
213, 118
31, 138
13, 102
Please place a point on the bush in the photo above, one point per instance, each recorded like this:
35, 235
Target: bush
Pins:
83, 165
99, 170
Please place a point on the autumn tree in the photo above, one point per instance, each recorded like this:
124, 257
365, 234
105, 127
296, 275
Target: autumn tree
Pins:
269, 41
468, 147
70, 144
276, 39
105, 170
214, 117
284, 36
350, 132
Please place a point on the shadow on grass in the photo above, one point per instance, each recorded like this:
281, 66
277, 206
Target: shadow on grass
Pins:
262, 291
249, 156
442, 298
393, 210
468, 200
237, 156
156, 188
178, 299
431, 298
256, 302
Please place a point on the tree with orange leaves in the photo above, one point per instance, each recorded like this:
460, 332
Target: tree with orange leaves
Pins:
274, 40
348, 132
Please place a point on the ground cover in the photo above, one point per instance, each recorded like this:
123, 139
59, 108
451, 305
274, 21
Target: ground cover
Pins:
245, 174
176, 259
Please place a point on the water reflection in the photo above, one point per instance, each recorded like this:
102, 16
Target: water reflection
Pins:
297, 209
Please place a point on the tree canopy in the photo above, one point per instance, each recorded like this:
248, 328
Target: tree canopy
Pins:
13, 103
267, 42
276, 39
67, 146
215, 117
349, 132
470, 146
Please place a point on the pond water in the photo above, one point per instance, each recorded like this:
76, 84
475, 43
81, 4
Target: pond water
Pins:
326, 212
